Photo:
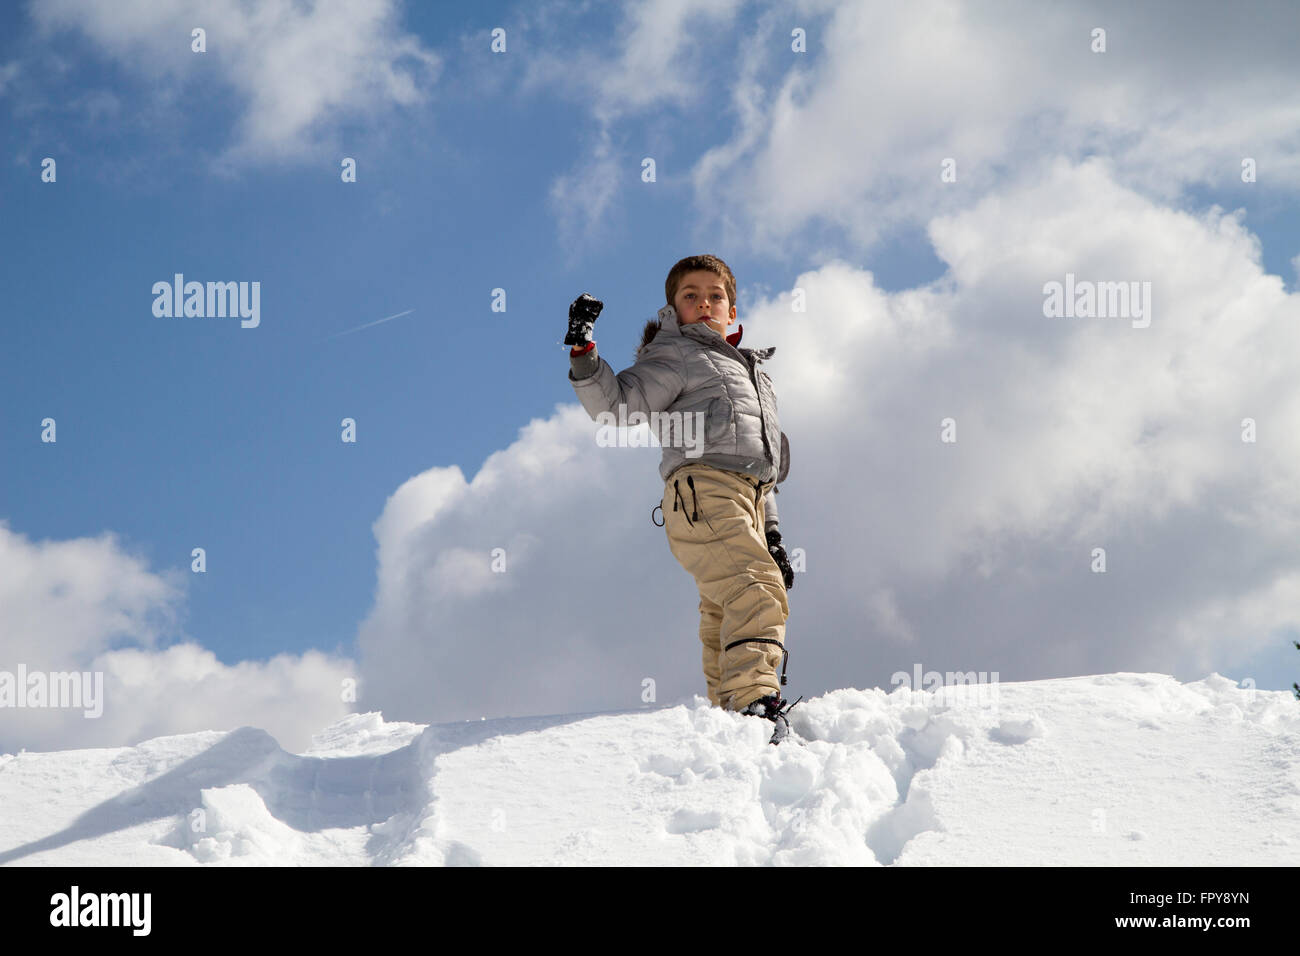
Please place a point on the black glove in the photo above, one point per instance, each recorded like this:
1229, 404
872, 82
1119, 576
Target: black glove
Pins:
582, 314
778, 555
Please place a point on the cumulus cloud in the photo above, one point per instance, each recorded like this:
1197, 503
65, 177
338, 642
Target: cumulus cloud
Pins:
65, 601
493, 594
300, 70
90, 606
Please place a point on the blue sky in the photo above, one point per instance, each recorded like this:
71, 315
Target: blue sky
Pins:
522, 171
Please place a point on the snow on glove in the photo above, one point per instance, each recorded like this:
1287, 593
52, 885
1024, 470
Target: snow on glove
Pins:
778, 555
582, 315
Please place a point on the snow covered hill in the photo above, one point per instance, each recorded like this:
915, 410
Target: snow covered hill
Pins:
1118, 769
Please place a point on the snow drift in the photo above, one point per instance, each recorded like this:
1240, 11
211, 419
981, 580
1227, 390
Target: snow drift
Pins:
1117, 769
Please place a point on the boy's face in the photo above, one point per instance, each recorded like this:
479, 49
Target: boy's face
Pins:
701, 297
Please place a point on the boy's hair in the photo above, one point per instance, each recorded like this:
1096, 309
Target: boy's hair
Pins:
694, 263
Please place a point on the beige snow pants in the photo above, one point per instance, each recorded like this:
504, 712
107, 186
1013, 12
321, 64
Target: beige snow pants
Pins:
714, 522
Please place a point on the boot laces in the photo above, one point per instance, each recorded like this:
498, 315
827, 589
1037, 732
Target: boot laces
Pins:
774, 707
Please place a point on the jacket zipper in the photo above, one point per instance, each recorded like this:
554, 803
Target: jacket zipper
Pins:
758, 390
753, 378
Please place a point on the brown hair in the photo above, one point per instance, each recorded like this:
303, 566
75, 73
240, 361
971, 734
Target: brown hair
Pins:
695, 263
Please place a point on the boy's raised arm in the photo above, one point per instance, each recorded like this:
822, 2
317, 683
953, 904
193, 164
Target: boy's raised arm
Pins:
651, 385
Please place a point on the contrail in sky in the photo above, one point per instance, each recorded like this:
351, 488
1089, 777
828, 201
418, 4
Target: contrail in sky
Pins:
367, 325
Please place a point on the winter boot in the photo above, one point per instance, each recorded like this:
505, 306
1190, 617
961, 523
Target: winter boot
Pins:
774, 709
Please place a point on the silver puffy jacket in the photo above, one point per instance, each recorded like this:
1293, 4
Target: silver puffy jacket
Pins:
691, 368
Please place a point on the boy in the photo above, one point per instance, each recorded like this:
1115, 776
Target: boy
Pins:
719, 504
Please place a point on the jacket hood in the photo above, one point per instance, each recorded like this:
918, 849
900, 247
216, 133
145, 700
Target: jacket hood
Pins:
667, 319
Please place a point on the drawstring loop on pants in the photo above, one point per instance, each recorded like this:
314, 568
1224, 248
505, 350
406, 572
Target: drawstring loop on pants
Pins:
695, 516
695, 503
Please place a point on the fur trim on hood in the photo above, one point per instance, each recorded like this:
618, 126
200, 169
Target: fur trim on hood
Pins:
652, 328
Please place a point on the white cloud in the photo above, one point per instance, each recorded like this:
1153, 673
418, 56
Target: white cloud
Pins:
184, 688
666, 47
663, 50
67, 601
451, 636
580, 200
1072, 434
852, 132
87, 605
857, 128
300, 70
